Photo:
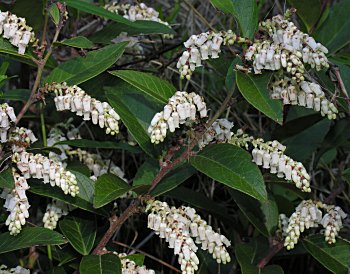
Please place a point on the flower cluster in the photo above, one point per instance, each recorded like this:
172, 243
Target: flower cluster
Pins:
286, 47
17, 31
41, 167
202, 47
54, 212
20, 138
178, 225
181, 108
219, 131
75, 99
136, 12
130, 267
17, 204
15, 270
270, 155
332, 222
308, 215
7, 115
304, 93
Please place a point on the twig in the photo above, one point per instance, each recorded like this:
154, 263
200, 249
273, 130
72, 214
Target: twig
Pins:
273, 251
149, 256
336, 71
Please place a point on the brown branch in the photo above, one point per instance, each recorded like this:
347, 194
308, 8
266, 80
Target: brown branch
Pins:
115, 224
273, 251
149, 256
336, 71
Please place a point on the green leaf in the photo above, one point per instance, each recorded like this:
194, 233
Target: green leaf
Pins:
55, 13
158, 89
301, 146
263, 215
16, 95
346, 175
7, 48
45, 190
86, 143
81, 69
81, 233
334, 257
145, 27
232, 166
104, 264
6, 179
136, 111
78, 42
86, 186
307, 15
245, 254
245, 12
30, 236
254, 90
109, 187
334, 32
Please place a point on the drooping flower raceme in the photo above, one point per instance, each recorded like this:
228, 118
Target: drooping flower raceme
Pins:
202, 47
16, 270
219, 131
178, 225
54, 211
308, 215
304, 93
7, 115
41, 167
136, 12
16, 203
20, 138
270, 155
75, 99
182, 108
130, 267
17, 31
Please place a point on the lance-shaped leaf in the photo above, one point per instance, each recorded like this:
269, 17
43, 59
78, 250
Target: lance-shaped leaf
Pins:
232, 166
106, 264
77, 42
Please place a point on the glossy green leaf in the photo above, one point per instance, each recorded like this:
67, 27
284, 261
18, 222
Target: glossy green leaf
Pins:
109, 187
6, 179
232, 166
104, 264
86, 187
245, 12
307, 15
245, 254
55, 13
254, 90
16, 95
334, 32
41, 189
78, 42
145, 27
158, 89
81, 69
137, 258
81, 233
136, 111
263, 215
30, 236
86, 143
334, 257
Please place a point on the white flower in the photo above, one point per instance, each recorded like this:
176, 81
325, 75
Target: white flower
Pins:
270, 155
178, 225
20, 138
182, 108
201, 47
16, 30
54, 212
219, 131
41, 167
130, 267
7, 116
137, 12
75, 99
15, 270
17, 204
332, 222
